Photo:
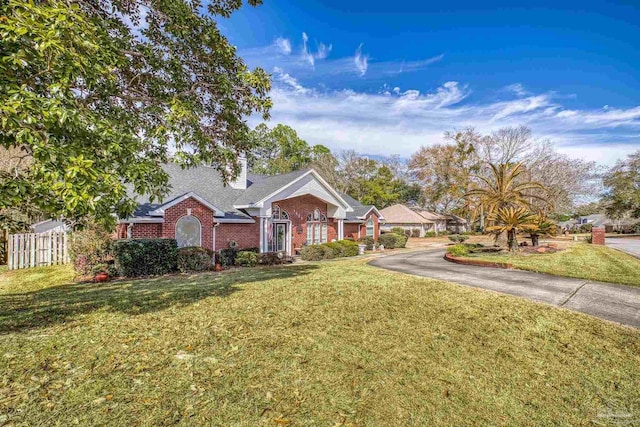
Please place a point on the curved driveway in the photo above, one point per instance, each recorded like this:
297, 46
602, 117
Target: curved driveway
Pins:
617, 303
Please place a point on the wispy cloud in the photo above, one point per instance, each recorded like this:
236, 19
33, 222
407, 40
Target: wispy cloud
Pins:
283, 45
306, 55
399, 121
361, 61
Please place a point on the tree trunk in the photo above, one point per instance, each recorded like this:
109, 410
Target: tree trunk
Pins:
535, 240
512, 241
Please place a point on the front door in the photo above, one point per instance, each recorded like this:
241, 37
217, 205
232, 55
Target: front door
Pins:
280, 237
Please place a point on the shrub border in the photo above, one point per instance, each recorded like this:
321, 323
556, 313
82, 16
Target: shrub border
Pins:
477, 262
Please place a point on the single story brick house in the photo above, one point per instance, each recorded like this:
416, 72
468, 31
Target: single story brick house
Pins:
422, 220
272, 213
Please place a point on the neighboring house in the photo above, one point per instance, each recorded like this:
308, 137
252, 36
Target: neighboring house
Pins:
49, 226
600, 220
410, 219
271, 213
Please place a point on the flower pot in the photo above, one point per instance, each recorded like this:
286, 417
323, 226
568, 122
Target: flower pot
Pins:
101, 277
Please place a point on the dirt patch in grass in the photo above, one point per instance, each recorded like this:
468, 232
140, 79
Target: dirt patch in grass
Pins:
337, 343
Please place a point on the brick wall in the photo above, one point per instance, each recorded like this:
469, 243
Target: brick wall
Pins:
298, 208
597, 235
145, 231
200, 211
246, 235
351, 230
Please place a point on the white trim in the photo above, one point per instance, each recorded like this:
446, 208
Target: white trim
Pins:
373, 208
160, 211
347, 207
141, 219
234, 221
341, 229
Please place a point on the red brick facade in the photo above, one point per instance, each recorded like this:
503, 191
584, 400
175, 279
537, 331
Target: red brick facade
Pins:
351, 229
246, 235
298, 208
597, 235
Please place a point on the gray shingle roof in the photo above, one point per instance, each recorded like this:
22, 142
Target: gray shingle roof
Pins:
265, 186
207, 183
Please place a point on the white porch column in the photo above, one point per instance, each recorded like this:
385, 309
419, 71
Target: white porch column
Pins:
262, 233
341, 229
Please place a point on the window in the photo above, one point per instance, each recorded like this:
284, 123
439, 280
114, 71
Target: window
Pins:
277, 213
188, 231
370, 228
316, 228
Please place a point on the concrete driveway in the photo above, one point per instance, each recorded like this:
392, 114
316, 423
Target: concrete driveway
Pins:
617, 303
630, 245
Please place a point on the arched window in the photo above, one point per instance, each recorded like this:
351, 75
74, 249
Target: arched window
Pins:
277, 213
188, 231
316, 228
370, 228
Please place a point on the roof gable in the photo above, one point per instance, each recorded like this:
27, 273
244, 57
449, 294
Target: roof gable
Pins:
401, 214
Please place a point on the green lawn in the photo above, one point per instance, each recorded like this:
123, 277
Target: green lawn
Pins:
327, 344
579, 260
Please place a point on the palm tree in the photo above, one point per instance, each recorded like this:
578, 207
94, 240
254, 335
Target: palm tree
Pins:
510, 220
505, 186
541, 226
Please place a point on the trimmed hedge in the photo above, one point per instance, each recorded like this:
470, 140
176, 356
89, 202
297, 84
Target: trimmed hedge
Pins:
339, 249
398, 230
393, 240
367, 240
194, 258
145, 257
247, 259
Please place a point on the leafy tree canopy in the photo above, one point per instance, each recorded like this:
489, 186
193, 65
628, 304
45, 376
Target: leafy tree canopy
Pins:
97, 94
622, 197
281, 150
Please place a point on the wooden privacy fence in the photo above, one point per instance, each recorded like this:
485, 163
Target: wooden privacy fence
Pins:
36, 250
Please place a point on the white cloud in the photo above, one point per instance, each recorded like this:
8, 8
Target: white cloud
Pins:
283, 45
361, 61
305, 52
323, 50
399, 121
518, 89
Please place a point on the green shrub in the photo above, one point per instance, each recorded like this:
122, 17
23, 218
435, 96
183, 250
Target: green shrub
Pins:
398, 230
247, 259
588, 239
312, 253
430, 234
194, 258
341, 248
415, 232
332, 250
586, 228
367, 240
388, 240
227, 256
349, 248
145, 257
458, 250
458, 238
401, 240
90, 247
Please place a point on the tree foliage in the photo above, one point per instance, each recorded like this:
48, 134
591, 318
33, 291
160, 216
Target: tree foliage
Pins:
281, 150
622, 182
97, 94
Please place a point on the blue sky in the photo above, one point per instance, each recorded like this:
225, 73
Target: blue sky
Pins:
388, 77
